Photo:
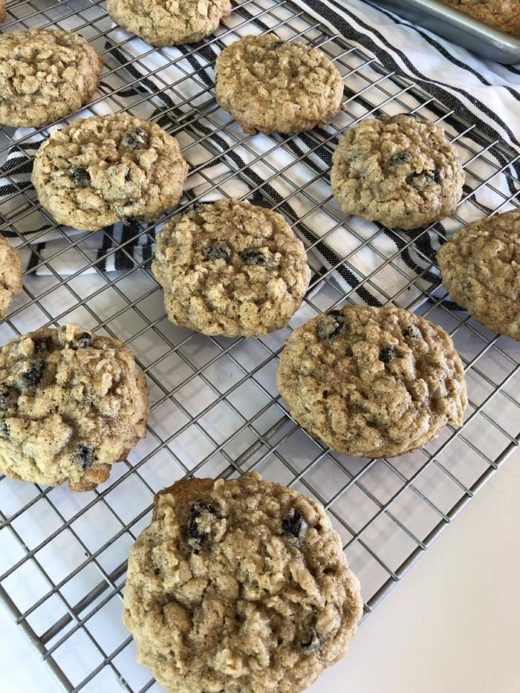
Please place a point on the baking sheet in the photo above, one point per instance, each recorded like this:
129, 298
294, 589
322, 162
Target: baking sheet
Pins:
458, 27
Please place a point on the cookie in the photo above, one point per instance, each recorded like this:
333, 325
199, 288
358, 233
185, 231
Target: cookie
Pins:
105, 169
239, 585
480, 267
500, 14
45, 75
167, 23
399, 171
269, 85
71, 405
372, 382
231, 268
10, 275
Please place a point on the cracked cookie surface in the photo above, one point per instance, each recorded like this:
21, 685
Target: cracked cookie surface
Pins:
480, 267
10, 275
269, 85
231, 268
71, 405
169, 22
372, 382
105, 169
399, 171
239, 585
45, 74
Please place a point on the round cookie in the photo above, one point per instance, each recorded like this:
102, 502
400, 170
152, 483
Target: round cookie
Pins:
269, 85
231, 268
10, 275
45, 74
105, 169
372, 382
239, 585
399, 171
480, 267
71, 405
169, 22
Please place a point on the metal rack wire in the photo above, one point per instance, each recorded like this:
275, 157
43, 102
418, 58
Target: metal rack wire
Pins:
215, 409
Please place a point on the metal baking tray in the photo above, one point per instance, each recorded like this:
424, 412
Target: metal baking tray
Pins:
458, 27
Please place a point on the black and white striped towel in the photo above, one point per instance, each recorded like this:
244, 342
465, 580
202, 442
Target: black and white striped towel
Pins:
483, 91
152, 86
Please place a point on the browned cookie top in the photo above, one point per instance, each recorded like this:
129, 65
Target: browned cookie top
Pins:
169, 22
270, 85
239, 585
399, 171
71, 404
372, 382
231, 268
105, 169
10, 275
45, 74
480, 267
501, 14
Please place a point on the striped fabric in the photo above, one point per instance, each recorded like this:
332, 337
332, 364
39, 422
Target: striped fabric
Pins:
480, 90
483, 93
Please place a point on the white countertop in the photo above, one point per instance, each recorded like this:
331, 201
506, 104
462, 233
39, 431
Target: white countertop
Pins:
452, 623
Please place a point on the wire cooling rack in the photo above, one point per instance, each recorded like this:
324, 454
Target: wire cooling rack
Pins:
214, 405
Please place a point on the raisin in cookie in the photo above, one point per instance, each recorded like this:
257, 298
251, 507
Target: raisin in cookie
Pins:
45, 74
105, 169
239, 585
231, 268
270, 85
10, 275
480, 267
169, 22
71, 405
372, 382
399, 171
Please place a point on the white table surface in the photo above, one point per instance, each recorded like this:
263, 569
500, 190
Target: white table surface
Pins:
452, 625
